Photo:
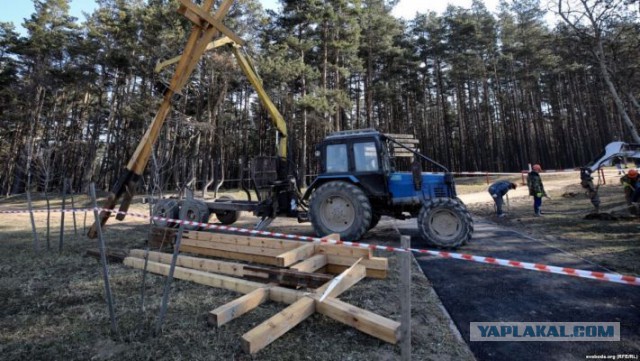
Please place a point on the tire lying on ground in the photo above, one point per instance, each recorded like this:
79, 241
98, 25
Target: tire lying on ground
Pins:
195, 211
445, 222
165, 208
227, 217
340, 207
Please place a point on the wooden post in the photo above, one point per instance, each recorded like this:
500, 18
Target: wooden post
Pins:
64, 200
167, 284
405, 299
103, 260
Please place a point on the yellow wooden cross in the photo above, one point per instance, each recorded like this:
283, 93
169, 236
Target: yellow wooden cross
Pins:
206, 27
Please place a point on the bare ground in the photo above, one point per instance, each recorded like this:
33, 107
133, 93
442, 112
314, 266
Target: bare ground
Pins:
614, 243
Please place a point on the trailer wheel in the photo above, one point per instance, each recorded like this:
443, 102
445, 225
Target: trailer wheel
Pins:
166, 209
445, 223
195, 211
227, 217
340, 207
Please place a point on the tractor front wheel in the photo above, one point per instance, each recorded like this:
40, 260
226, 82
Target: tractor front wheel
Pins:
340, 207
445, 223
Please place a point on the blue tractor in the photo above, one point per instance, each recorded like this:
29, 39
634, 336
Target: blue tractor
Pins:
358, 183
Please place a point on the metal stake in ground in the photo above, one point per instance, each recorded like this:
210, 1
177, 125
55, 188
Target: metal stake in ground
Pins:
64, 199
103, 260
73, 206
405, 298
167, 284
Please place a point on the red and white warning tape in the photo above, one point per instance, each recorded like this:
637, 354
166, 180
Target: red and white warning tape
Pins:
609, 277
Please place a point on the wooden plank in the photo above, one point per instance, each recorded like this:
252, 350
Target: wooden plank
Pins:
400, 136
365, 321
238, 307
342, 282
278, 294
276, 326
211, 20
230, 255
341, 250
371, 273
296, 255
312, 264
248, 241
287, 277
407, 141
201, 264
379, 263
272, 252
283, 277
402, 151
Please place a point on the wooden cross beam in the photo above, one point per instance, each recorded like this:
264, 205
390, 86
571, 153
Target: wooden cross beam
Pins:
302, 304
206, 28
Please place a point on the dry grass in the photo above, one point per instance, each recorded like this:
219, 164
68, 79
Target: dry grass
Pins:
52, 306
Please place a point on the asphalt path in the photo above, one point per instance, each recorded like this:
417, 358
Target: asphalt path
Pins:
474, 292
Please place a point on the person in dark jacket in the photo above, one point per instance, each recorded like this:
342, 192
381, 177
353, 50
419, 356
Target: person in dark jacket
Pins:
536, 188
497, 191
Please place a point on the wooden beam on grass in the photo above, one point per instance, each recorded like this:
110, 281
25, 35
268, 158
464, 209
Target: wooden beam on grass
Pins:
242, 240
197, 263
276, 326
278, 294
378, 263
362, 320
371, 273
287, 277
342, 250
343, 281
271, 252
238, 307
311, 264
303, 252
266, 274
269, 260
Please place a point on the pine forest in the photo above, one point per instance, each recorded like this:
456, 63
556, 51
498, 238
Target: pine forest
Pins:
481, 90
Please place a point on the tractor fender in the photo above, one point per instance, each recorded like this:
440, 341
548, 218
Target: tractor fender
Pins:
322, 179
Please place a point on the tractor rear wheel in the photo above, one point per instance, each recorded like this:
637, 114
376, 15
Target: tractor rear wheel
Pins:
163, 210
340, 207
375, 218
227, 217
445, 223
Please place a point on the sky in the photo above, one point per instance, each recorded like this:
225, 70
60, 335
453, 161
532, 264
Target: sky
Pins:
17, 10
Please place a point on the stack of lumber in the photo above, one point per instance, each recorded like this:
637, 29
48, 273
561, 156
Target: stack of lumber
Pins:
298, 255
408, 140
